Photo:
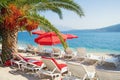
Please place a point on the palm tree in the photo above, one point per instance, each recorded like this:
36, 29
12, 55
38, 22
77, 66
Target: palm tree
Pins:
0, 40
19, 15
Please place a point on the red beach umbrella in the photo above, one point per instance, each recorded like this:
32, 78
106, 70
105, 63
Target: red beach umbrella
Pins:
38, 32
49, 38
71, 36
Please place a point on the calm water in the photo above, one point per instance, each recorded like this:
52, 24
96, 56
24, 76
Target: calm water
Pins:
108, 42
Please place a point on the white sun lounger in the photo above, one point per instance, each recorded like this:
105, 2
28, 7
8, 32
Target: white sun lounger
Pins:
56, 53
26, 63
69, 54
54, 69
78, 70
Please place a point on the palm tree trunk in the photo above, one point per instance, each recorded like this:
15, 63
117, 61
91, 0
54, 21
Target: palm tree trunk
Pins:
9, 43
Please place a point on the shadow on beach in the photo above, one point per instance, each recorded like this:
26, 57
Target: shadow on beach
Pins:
26, 75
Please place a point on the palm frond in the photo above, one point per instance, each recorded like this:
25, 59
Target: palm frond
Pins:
45, 24
1, 19
66, 4
69, 5
46, 7
31, 7
58, 11
3, 3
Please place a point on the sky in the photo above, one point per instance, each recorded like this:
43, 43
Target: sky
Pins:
98, 14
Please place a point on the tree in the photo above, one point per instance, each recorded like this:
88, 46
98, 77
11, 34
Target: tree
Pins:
19, 15
0, 39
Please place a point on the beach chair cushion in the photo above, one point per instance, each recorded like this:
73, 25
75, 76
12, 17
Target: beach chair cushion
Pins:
31, 60
39, 63
60, 66
34, 61
24, 58
7, 63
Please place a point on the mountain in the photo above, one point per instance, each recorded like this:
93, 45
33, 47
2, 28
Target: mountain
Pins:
113, 28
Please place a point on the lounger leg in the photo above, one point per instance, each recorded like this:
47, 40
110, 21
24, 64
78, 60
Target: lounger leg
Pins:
22, 68
52, 77
84, 77
56, 77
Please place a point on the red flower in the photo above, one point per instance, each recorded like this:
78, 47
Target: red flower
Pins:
12, 19
31, 25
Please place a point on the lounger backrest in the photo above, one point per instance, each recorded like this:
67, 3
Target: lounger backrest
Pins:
76, 69
69, 51
17, 56
41, 48
81, 52
56, 50
107, 74
30, 47
51, 65
22, 57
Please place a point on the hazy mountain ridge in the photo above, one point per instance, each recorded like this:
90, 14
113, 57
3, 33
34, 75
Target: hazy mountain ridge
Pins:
113, 28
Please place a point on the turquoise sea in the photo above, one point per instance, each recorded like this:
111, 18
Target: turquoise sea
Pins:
103, 42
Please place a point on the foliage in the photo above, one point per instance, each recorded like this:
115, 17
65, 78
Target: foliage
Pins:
25, 14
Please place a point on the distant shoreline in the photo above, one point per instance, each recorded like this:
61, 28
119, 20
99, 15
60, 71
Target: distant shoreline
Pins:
88, 50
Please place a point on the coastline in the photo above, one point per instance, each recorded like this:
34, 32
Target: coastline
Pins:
89, 51
95, 54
